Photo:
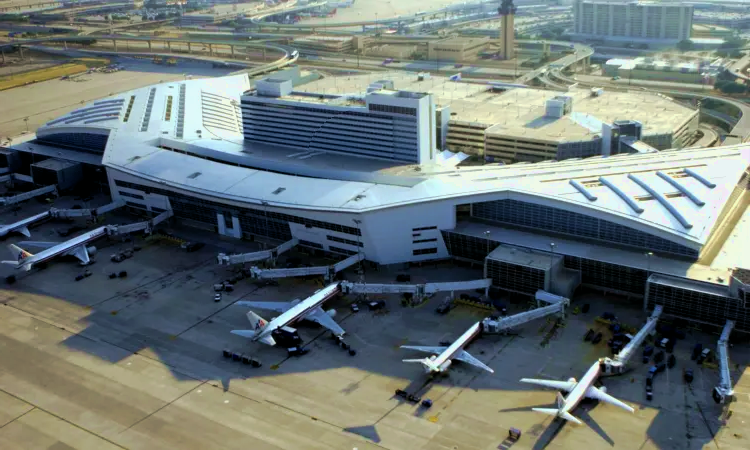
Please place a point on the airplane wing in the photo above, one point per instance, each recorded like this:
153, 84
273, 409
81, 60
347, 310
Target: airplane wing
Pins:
270, 306
566, 386
420, 348
598, 394
37, 244
24, 231
81, 253
464, 356
322, 318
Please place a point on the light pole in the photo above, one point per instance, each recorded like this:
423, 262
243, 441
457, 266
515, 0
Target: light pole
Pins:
487, 237
358, 222
551, 262
26, 120
648, 258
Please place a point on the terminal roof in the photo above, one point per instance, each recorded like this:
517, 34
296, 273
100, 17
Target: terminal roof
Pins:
204, 135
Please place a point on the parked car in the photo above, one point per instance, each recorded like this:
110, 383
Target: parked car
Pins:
649, 392
355, 307
378, 304
217, 297
704, 355
688, 375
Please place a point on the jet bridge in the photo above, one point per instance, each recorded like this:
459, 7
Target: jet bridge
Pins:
503, 325
146, 226
5, 201
616, 365
723, 392
228, 260
418, 290
72, 213
329, 272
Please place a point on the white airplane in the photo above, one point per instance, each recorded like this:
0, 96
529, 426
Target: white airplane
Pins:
22, 226
308, 309
442, 356
578, 390
74, 247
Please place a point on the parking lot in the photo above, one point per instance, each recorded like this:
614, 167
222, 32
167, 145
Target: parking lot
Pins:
136, 362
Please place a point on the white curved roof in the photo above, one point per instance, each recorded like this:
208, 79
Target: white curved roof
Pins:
201, 149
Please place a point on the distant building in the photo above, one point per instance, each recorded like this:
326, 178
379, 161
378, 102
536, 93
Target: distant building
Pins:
457, 48
632, 21
651, 69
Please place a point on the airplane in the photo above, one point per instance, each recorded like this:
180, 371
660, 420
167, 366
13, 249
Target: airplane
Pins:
578, 390
308, 309
442, 356
74, 247
22, 226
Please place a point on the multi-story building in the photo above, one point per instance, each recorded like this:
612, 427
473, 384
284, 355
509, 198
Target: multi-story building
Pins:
632, 21
383, 124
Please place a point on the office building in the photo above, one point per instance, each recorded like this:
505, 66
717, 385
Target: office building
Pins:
632, 21
457, 48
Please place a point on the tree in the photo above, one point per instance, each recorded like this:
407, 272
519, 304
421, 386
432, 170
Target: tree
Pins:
685, 45
730, 87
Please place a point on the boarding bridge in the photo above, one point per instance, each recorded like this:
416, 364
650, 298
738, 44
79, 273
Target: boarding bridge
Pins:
329, 272
228, 260
505, 324
723, 392
145, 226
418, 290
73, 213
27, 195
616, 365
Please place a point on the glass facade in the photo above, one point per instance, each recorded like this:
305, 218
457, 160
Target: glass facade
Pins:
468, 247
609, 276
700, 306
88, 142
514, 277
253, 221
560, 221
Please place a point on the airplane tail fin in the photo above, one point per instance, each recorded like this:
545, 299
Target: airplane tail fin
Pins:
560, 400
428, 364
558, 413
19, 254
256, 321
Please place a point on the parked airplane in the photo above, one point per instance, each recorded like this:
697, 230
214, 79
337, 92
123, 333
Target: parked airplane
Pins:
578, 390
442, 356
75, 247
22, 226
308, 309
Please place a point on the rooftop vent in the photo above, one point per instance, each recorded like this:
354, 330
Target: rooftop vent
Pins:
279, 191
194, 175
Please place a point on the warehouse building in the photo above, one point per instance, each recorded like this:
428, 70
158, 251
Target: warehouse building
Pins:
630, 224
457, 48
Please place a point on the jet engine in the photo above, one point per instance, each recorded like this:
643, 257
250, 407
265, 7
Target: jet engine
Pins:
571, 380
331, 312
91, 250
445, 365
603, 389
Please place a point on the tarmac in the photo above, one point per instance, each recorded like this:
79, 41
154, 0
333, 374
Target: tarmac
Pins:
137, 363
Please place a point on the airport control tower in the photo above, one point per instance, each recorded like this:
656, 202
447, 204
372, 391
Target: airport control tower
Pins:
507, 11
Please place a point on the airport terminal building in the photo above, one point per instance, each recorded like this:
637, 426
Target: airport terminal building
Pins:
361, 173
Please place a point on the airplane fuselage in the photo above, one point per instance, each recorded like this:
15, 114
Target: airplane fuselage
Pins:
63, 247
457, 345
298, 311
579, 391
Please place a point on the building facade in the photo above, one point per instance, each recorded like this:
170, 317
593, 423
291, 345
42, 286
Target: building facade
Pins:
632, 20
